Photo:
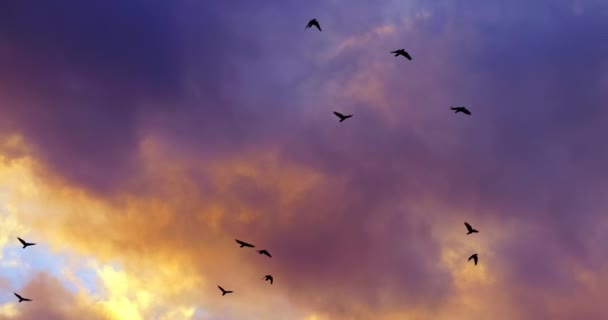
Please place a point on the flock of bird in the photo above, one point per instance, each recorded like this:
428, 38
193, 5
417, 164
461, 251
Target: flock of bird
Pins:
342, 117
265, 252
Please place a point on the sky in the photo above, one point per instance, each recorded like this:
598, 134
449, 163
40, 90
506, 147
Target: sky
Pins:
139, 138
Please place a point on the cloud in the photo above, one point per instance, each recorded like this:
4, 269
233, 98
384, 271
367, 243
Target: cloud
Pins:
363, 218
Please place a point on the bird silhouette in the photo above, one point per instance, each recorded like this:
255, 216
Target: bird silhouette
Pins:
470, 229
244, 244
402, 52
314, 23
21, 299
265, 253
25, 244
474, 257
224, 292
341, 116
268, 278
461, 109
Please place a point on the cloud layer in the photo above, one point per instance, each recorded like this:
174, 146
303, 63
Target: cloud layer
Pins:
147, 137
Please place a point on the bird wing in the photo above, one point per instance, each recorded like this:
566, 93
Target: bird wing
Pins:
465, 110
24, 299
475, 259
407, 55
339, 114
221, 289
18, 296
21, 240
469, 228
316, 24
267, 253
243, 243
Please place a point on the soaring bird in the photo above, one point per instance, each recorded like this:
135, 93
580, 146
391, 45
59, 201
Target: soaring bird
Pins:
470, 229
461, 109
402, 52
244, 244
341, 116
268, 278
474, 257
25, 244
314, 23
224, 292
21, 299
265, 252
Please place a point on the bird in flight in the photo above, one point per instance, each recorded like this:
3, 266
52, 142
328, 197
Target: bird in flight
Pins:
474, 257
341, 116
470, 229
461, 109
314, 23
265, 252
244, 244
402, 52
25, 244
268, 278
21, 299
224, 292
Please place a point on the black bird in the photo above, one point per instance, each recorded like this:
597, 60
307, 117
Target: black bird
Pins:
470, 229
25, 244
314, 23
402, 52
244, 244
461, 109
268, 278
474, 257
341, 116
21, 299
265, 252
224, 292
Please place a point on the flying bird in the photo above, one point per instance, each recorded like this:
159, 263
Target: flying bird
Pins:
402, 52
461, 109
224, 292
265, 252
341, 116
314, 23
25, 244
21, 299
470, 229
244, 244
268, 278
474, 257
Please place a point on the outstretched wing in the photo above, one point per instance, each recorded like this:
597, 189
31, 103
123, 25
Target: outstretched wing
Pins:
339, 115
316, 24
22, 241
18, 296
266, 253
469, 228
466, 111
221, 289
407, 55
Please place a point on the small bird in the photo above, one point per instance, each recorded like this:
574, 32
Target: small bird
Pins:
474, 257
470, 229
244, 244
265, 252
341, 116
268, 278
402, 52
224, 292
461, 109
314, 23
25, 244
21, 299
